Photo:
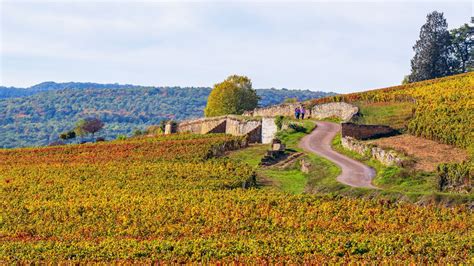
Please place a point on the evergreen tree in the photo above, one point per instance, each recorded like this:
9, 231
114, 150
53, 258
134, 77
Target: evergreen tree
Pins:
462, 40
432, 51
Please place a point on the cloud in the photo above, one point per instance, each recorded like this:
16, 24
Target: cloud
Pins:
332, 46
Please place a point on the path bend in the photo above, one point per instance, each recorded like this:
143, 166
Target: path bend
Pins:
354, 173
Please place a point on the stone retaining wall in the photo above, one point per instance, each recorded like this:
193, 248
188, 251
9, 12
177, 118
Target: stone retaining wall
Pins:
340, 110
261, 130
386, 157
287, 109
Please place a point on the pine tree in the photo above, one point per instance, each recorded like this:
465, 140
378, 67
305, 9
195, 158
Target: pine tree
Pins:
432, 51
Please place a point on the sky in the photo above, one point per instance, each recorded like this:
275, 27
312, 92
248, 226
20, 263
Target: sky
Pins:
329, 46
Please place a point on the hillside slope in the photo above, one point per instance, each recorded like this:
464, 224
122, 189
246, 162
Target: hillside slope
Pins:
54, 107
162, 199
439, 109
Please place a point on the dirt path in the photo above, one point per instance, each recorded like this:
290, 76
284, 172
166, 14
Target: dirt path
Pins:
353, 172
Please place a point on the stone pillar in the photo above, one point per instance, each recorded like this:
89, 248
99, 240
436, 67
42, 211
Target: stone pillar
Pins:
269, 129
168, 129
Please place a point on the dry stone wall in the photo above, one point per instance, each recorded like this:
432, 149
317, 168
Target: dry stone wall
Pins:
275, 110
238, 127
341, 110
386, 157
201, 125
230, 124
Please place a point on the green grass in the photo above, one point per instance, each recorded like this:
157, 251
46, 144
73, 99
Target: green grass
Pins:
291, 138
291, 180
395, 115
251, 155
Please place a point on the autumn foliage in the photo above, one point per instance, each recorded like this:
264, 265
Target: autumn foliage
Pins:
169, 199
444, 107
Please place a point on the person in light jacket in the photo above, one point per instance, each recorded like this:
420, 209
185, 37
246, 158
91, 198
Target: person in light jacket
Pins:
302, 112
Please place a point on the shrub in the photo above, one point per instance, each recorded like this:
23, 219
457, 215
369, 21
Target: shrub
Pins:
457, 177
279, 121
297, 128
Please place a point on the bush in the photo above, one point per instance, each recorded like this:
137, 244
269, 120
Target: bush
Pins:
121, 137
297, 128
457, 177
279, 121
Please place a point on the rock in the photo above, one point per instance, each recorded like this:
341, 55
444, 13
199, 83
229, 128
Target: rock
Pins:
305, 166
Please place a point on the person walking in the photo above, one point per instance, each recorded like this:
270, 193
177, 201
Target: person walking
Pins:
302, 111
297, 113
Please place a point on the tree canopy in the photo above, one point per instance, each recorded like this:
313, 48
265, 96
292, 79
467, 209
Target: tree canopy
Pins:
440, 52
432, 54
462, 40
232, 96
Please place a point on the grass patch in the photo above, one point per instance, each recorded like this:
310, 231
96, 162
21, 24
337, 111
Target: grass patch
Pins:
289, 180
333, 119
251, 155
395, 115
291, 137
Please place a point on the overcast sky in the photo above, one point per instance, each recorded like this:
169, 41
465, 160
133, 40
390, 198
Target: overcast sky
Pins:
329, 46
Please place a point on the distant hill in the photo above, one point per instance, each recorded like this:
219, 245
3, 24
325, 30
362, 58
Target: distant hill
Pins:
35, 116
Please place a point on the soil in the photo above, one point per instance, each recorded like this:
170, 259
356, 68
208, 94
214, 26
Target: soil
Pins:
427, 153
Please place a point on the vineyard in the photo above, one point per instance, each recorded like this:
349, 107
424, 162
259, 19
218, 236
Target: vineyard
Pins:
170, 199
443, 108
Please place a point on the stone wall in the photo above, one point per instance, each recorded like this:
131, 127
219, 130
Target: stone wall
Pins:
238, 127
364, 132
202, 125
275, 110
230, 124
386, 157
340, 110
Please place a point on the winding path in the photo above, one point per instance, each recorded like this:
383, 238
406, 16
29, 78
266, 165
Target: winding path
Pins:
354, 173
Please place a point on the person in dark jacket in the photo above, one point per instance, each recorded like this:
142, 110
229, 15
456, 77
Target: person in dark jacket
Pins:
297, 112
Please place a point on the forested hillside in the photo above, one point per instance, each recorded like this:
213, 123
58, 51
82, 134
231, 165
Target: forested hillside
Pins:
36, 115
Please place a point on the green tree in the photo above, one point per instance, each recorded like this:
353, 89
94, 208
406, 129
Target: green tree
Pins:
67, 135
88, 126
432, 51
462, 40
232, 96
291, 100
79, 129
406, 79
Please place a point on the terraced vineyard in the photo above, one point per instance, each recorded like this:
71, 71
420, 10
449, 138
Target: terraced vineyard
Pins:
443, 108
168, 199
